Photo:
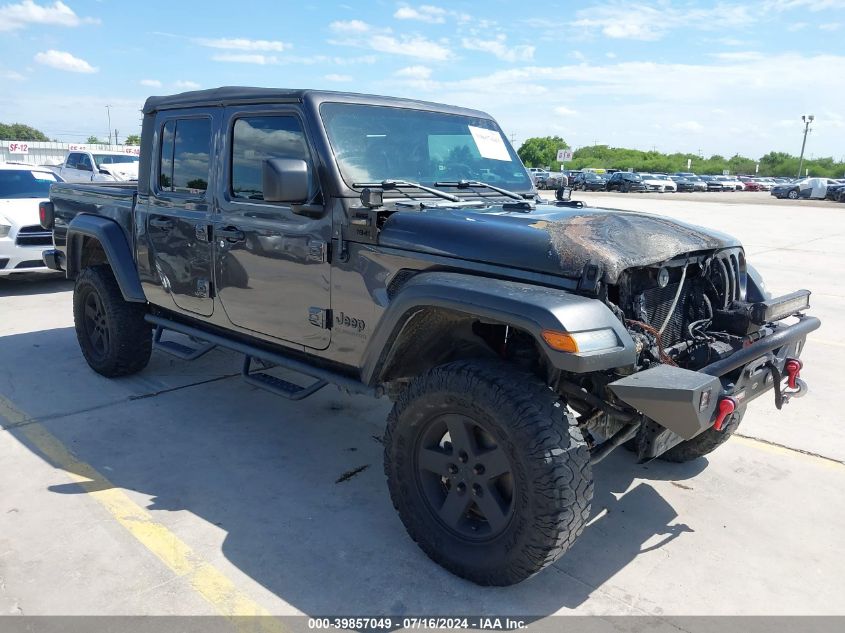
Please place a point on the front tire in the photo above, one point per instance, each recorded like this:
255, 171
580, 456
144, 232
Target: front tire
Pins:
113, 336
488, 471
792, 195
705, 442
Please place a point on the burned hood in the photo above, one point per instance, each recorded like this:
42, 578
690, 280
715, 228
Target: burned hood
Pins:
550, 239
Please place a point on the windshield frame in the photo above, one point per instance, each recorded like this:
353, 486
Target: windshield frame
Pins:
526, 186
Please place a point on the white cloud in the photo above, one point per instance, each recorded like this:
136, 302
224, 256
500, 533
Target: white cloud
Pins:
349, 26
688, 126
797, 26
411, 46
11, 75
247, 58
337, 77
241, 44
423, 13
151, 83
649, 23
500, 48
18, 16
738, 56
809, 5
564, 111
186, 85
831, 26
414, 72
62, 60
385, 41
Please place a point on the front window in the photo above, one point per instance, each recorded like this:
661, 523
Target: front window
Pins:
111, 159
24, 183
376, 143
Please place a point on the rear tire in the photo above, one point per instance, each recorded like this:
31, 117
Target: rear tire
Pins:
705, 442
516, 484
113, 336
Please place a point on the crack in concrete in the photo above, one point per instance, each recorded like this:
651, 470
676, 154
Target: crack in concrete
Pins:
105, 405
791, 448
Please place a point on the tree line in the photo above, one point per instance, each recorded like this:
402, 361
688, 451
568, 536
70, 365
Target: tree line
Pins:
542, 152
21, 132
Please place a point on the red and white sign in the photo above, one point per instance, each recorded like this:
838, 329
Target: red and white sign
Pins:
132, 150
18, 148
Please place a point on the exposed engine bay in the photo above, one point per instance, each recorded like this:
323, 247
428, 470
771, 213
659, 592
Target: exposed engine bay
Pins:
688, 312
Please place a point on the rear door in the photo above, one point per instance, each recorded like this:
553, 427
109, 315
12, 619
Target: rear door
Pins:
177, 217
272, 270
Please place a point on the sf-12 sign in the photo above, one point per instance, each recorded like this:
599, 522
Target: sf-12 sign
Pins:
564, 155
132, 150
18, 148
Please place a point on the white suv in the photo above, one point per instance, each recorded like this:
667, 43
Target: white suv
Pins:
22, 239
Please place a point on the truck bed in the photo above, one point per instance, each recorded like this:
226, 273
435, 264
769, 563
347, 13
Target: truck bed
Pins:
112, 200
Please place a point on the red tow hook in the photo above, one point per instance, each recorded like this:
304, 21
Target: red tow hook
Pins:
792, 368
726, 406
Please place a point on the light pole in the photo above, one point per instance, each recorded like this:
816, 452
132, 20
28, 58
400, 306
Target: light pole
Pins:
108, 110
807, 120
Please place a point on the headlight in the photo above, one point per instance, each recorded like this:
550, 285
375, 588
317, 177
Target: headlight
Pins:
591, 341
5, 226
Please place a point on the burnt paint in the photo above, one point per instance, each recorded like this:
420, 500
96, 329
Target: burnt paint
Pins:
550, 239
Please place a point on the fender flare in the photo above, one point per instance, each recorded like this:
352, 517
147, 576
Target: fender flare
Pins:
118, 253
529, 308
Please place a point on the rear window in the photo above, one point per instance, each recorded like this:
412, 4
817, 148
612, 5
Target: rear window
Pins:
23, 183
185, 155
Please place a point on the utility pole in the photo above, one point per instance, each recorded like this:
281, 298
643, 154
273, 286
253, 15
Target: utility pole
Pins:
108, 111
115, 137
807, 120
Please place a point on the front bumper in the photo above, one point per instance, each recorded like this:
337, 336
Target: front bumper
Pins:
679, 404
15, 258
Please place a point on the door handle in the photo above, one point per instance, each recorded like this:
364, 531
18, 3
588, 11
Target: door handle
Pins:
231, 233
161, 223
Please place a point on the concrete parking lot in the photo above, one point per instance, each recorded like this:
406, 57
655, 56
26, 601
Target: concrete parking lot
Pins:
182, 490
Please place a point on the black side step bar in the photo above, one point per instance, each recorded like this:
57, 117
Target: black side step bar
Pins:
321, 375
277, 385
177, 349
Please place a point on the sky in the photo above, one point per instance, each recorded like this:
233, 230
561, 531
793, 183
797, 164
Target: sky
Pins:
711, 77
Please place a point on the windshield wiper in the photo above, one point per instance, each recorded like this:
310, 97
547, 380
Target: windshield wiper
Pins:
387, 185
467, 184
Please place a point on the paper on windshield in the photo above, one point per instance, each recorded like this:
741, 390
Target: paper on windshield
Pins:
490, 143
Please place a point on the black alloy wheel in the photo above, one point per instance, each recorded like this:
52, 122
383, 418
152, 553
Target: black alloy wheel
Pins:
465, 477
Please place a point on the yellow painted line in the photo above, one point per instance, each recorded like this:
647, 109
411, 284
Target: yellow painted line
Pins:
206, 579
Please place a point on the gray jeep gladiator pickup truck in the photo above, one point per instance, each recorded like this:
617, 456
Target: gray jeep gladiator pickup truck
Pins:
396, 247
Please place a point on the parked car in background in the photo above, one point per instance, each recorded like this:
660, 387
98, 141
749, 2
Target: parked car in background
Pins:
99, 167
552, 180
751, 184
588, 181
697, 182
625, 181
659, 183
730, 183
834, 187
22, 239
712, 183
683, 183
814, 188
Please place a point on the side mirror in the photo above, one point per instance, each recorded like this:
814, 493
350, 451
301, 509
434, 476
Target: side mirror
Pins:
285, 180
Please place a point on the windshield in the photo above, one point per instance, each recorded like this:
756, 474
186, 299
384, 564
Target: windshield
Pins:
376, 143
111, 159
23, 183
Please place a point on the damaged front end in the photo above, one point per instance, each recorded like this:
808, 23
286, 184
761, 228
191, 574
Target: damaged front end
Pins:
708, 341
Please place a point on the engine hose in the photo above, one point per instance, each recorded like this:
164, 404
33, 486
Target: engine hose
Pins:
664, 357
675, 301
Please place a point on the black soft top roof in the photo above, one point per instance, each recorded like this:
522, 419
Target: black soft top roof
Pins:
238, 95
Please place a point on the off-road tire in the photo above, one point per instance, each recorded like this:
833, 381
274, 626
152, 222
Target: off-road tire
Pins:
128, 338
549, 460
705, 442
